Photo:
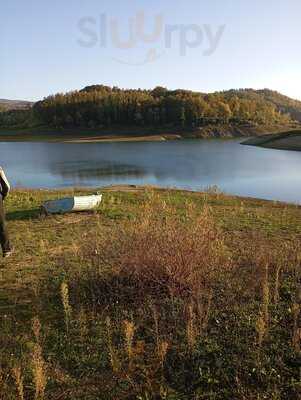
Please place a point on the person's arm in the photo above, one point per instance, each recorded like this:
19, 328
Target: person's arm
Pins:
4, 183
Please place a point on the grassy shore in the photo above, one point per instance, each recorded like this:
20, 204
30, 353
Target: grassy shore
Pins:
158, 294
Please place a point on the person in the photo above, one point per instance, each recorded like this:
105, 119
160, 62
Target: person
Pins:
4, 239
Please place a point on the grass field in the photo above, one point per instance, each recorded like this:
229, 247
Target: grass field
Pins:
158, 294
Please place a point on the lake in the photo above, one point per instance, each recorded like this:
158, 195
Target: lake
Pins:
187, 164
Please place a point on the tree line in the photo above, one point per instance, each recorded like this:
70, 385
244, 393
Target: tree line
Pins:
102, 106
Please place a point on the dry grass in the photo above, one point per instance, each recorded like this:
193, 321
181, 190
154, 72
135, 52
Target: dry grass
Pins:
39, 372
66, 303
17, 375
199, 268
155, 297
161, 254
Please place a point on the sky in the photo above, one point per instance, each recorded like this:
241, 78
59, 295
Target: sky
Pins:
61, 45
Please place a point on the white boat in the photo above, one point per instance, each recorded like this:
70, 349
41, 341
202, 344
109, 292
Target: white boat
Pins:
72, 204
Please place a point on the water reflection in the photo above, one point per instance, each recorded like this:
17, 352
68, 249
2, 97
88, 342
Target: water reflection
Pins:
103, 170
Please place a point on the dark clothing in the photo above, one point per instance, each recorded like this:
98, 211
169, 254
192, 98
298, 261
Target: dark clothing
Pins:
4, 240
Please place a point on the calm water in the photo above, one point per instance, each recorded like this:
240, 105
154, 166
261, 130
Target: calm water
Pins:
191, 164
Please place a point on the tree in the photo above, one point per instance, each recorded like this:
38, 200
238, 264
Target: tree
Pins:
78, 118
183, 117
159, 91
224, 112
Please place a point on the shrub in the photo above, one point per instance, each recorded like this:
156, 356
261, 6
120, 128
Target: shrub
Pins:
160, 253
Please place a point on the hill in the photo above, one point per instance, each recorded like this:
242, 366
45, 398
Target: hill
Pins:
103, 106
183, 112
15, 104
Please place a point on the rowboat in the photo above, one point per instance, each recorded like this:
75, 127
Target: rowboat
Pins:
71, 204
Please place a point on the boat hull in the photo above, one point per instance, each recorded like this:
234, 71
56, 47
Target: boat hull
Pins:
72, 204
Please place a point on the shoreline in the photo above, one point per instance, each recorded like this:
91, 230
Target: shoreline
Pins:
282, 141
136, 189
136, 134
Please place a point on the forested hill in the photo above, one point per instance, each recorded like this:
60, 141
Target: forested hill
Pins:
100, 106
282, 103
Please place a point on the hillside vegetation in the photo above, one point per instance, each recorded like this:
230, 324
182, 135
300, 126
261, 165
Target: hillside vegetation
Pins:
158, 294
103, 107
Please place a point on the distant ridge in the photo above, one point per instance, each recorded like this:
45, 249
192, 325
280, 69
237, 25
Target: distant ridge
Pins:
15, 104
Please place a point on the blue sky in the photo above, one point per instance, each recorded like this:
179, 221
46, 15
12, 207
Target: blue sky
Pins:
42, 51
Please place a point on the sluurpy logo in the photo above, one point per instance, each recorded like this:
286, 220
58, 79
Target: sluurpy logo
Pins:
105, 31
